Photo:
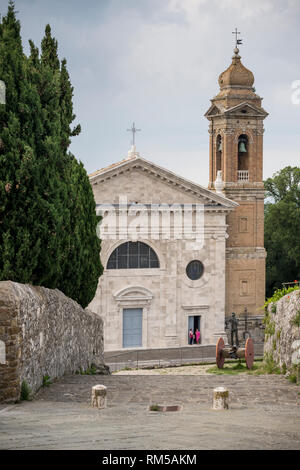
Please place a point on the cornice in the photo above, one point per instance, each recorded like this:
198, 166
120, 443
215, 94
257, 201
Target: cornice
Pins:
167, 177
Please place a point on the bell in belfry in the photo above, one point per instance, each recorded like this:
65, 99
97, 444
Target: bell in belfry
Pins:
220, 146
242, 147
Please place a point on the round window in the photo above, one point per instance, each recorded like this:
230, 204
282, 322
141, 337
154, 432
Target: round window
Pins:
194, 270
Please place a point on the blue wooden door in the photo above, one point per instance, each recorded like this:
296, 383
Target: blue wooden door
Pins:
132, 327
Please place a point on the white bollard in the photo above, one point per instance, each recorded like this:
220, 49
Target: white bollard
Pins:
220, 399
99, 396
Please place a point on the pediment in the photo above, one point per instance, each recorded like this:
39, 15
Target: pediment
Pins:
145, 182
133, 293
246, 109
213, 111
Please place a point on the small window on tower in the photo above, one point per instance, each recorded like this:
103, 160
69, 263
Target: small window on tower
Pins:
243, 224
244, 287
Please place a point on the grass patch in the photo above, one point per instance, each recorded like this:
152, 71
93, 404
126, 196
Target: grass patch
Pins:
292, 378
153, 408
278, 334
91, 370
278, 294
294, 374
296, 320
46, 381
25, 391
260, 367
270, 328
268, 366
233, 368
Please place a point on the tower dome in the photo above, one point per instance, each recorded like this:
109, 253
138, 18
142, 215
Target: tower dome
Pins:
237, 75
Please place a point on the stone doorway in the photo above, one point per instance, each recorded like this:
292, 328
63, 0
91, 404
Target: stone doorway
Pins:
193, 324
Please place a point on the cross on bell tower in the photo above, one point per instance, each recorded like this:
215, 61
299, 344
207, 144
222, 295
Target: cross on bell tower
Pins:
236, 157
237, 41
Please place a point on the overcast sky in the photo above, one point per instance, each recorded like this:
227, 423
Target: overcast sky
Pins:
157, 62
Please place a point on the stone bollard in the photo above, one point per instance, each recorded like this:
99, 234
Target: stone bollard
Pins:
220, 399
99, 396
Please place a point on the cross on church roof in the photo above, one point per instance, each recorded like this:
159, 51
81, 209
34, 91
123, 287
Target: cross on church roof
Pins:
237, 41
133, 130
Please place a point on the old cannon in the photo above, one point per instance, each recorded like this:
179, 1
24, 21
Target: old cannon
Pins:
234, 351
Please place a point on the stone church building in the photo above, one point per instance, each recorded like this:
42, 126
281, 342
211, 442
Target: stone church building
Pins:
178, 256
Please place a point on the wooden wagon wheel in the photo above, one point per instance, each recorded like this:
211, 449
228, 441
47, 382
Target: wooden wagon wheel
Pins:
249, 353
220, 359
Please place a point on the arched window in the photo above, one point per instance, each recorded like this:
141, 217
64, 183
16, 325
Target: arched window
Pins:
133, 255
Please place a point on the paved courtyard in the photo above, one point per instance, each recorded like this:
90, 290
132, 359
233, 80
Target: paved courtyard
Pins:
264, 414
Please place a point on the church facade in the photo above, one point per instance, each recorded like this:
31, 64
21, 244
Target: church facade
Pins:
177, 256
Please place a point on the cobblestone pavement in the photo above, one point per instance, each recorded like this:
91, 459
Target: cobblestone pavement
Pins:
264, 413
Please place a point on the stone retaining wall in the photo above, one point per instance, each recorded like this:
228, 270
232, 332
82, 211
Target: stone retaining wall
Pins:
281, 332
45, 333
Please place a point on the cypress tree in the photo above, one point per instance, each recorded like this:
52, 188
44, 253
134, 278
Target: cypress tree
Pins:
47, 209
53, 176
18, 166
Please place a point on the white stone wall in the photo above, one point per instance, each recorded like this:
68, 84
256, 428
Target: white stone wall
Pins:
166, 294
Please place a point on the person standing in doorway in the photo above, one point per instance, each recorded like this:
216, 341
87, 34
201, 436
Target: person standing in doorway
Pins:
197, 334
191, 336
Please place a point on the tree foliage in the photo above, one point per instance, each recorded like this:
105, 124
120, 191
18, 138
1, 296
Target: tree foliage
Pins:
47, 209
282, 228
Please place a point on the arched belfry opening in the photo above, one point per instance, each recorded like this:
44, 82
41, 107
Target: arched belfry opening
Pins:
219, 150
243, 158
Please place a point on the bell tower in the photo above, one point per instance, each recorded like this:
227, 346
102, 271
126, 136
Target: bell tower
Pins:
236, 161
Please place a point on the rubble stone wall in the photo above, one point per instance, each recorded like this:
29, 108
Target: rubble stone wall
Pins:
45, 333
281, 332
